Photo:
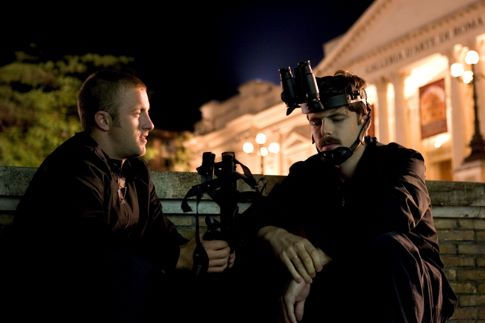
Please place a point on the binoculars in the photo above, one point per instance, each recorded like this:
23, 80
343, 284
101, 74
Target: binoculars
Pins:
300, 87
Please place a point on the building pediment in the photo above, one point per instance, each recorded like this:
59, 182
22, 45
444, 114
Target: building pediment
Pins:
385, 22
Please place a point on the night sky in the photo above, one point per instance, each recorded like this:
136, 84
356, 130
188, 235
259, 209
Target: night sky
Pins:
188, 54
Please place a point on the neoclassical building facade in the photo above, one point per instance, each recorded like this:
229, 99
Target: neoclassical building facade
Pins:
405, 50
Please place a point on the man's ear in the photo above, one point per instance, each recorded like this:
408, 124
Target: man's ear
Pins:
363, 118
103, 120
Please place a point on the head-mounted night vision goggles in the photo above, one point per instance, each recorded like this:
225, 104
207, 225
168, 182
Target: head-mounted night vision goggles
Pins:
300, 89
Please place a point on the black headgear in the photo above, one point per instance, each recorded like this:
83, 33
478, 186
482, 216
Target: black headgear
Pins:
322, 94
302, 89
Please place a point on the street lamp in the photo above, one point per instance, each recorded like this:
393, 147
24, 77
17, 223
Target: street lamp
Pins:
263, 151
477, 143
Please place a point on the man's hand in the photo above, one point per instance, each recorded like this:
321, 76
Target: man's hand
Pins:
301, 258
293, 302
218, 252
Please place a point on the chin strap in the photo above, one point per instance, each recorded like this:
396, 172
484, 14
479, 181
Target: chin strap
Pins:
338, 155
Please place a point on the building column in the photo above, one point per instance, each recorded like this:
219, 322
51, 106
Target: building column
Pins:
382, 113
458, 125
401, 109
281, 140
480, 68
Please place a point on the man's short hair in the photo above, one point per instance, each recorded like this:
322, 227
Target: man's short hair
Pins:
101, 92
343, 82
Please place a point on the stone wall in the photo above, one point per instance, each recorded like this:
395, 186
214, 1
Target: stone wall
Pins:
458, 211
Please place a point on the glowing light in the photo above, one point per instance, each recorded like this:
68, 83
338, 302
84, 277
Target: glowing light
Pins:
457, 69
264, 151
248, 147
467, 76
471, 57
260, 138
274, 147
440, 139
391, 112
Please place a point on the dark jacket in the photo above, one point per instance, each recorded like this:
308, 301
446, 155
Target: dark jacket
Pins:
386, 197
76, 235
387, 193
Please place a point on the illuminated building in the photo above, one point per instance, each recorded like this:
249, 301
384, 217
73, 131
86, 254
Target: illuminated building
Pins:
404, 49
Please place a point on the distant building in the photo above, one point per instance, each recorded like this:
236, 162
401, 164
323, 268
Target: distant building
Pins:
404, 49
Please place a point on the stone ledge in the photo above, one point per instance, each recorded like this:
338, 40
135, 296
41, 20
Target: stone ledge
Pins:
449, 199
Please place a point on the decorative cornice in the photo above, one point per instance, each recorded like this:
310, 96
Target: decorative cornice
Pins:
369, 17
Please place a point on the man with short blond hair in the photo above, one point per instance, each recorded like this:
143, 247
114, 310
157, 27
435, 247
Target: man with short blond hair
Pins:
93, 243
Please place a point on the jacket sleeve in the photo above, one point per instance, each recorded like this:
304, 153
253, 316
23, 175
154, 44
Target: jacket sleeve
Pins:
402, 198
161, 240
